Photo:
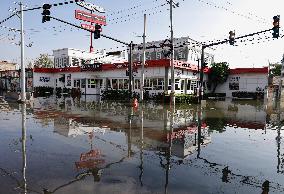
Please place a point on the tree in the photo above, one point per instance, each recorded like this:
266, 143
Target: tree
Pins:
43, 61
218, 74
275, 69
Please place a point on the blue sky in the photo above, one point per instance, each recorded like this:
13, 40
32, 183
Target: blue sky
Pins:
202, 20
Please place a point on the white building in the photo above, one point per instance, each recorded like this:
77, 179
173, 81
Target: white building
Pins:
245, 80
94, 72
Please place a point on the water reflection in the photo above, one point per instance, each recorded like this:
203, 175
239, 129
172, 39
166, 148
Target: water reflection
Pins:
152, 149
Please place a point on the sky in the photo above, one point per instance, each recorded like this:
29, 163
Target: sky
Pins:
202, 20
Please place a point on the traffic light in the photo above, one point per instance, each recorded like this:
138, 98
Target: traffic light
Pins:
46, 13
232, 38
276, 21
97, 32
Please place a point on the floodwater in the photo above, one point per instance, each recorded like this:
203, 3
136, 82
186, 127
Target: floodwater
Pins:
86, 146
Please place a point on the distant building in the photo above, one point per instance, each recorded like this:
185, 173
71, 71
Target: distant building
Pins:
7, 66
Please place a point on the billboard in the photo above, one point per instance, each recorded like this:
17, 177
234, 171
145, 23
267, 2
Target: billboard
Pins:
91, 7
88, 17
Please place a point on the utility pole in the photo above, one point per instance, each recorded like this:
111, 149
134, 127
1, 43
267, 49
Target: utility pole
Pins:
172, 55
200, 97
144, 60
130, 74
23, 69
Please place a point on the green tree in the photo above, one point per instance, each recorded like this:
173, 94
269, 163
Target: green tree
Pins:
43, 61
218, 74
275, 69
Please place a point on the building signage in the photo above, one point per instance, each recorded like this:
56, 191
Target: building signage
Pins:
88, 17
89, 27
44, 79
92, 67
157, 54
91, 7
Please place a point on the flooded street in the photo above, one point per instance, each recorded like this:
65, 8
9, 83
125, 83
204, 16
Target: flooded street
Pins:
73, 146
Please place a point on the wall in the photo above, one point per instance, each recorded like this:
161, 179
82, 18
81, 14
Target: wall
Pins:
247, 82
43, 79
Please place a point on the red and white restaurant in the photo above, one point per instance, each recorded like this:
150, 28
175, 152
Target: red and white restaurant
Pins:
97, 71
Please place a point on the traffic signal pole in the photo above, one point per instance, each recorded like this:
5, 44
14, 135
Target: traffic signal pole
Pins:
130, 74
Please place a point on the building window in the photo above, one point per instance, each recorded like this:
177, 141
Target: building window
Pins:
83, 83
137, 84
234, 83
160, 84
177, 84
188, 85
120, 84
108, 84
91, 83
114, 84
126, 84
193, 85
77, 83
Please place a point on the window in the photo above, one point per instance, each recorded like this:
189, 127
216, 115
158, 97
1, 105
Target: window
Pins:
91, 83
193, 85
77, 83
160, 84
188, 85
177, 85
120, 84
108, 84
137, 84
114, 84
234, 83
126, 84
147, 84
83, 83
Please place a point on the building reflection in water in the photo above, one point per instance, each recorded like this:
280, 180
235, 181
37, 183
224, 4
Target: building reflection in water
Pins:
186, 132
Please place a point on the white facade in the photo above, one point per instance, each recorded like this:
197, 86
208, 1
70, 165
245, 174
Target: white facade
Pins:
69, 57
186, 81
186, 49
248, 82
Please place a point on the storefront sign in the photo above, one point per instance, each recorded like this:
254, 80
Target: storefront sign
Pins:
91, 7
92, 67
88, 17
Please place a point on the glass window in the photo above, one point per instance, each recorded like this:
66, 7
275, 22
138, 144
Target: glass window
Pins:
234, 83
193, 85
108, 84
91, 83
126, 84
114, 84
177, 85
83, 83
120, 84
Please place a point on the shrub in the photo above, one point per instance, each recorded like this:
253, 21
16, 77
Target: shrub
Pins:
42, 91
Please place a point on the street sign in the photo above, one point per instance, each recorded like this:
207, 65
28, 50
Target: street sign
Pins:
91, 7
88, 17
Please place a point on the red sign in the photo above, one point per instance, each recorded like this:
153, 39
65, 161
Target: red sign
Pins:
89, 27
89, 155
88, 17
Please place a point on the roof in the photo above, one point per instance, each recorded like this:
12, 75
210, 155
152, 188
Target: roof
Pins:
262, 70
115, 66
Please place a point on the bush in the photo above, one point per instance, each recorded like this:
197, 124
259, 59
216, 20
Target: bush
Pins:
42, 91
186, 98
253, 95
